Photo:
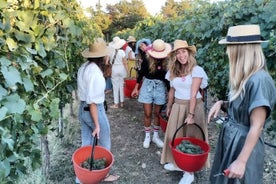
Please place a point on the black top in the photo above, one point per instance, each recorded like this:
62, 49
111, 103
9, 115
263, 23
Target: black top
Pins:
159, 73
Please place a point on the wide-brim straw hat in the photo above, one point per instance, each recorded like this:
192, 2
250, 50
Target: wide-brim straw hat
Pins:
131, 39
243, 34
182, 44
96, 50
159, 49
117, 43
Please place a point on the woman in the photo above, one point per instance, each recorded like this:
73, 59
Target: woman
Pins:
129, 48
185, 103
131, 59
91, 87
119, 71
252, 95
131, 41
153, 92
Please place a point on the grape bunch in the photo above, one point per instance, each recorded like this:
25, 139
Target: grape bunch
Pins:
98, 164
187, 147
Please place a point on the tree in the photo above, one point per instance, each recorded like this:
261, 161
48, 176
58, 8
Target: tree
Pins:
102, 19
183, 6
170, 9
174, 9
126, 15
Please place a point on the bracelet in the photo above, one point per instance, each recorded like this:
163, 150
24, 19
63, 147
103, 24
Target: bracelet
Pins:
191, 114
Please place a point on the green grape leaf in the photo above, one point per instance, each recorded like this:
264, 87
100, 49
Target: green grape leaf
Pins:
3, 112
15, 104
5, 168
30, 50
11, 75
46, 73
20, 36
63, 76
8, 141
36, 115
40, 49
11, 44
28, 84
4, 61
3, 92
3, 4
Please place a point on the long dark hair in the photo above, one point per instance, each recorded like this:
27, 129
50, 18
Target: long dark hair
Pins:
142, 54
132, 45
98, 61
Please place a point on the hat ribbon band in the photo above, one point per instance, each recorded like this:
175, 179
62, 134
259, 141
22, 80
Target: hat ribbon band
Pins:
243, 38
151, 48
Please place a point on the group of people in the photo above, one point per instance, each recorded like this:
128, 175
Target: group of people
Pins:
120, 52
169, 75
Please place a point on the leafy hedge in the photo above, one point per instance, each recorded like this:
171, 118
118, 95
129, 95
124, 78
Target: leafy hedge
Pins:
205, 24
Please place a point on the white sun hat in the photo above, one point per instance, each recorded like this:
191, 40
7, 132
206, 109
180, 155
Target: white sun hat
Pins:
117, 42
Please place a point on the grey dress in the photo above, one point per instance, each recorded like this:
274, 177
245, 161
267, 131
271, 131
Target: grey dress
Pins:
259, 91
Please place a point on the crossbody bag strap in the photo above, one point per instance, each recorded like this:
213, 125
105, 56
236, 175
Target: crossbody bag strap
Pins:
114, 56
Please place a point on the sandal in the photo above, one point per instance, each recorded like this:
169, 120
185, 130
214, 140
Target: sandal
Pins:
108, 91
122, 104
111, 178
114, 106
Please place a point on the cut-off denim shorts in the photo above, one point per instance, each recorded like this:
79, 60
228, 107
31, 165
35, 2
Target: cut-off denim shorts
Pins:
153, 91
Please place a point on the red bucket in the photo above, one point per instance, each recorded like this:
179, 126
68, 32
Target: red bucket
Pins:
190, 162
163, 121
129, 86
95, 176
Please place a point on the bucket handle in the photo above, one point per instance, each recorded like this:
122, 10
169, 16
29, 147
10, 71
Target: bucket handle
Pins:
92, 152
183, 124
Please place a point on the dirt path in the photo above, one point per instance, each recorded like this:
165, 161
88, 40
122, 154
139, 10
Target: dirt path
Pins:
133, 163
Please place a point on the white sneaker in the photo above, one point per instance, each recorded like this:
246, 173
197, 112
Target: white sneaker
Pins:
146, 142
187, 178
158, 141
171, 167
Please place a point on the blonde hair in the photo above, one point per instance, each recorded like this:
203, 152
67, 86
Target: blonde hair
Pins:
244, 61
176, 68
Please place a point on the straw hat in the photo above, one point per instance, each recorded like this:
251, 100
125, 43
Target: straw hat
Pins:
243, 34
159, 49
117, 43
96, 50
131, 39
182, 44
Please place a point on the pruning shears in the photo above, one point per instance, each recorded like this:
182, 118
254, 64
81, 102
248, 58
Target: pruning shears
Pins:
224, 173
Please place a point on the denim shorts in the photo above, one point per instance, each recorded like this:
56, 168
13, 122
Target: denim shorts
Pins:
153, 91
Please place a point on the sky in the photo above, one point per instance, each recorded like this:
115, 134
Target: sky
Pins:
153, 6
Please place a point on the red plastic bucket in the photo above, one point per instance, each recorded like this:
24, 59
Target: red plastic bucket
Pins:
163, 122
129, 86
95, 176
190, 162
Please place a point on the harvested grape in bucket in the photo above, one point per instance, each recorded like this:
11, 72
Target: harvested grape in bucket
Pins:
98, 164
187, 147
